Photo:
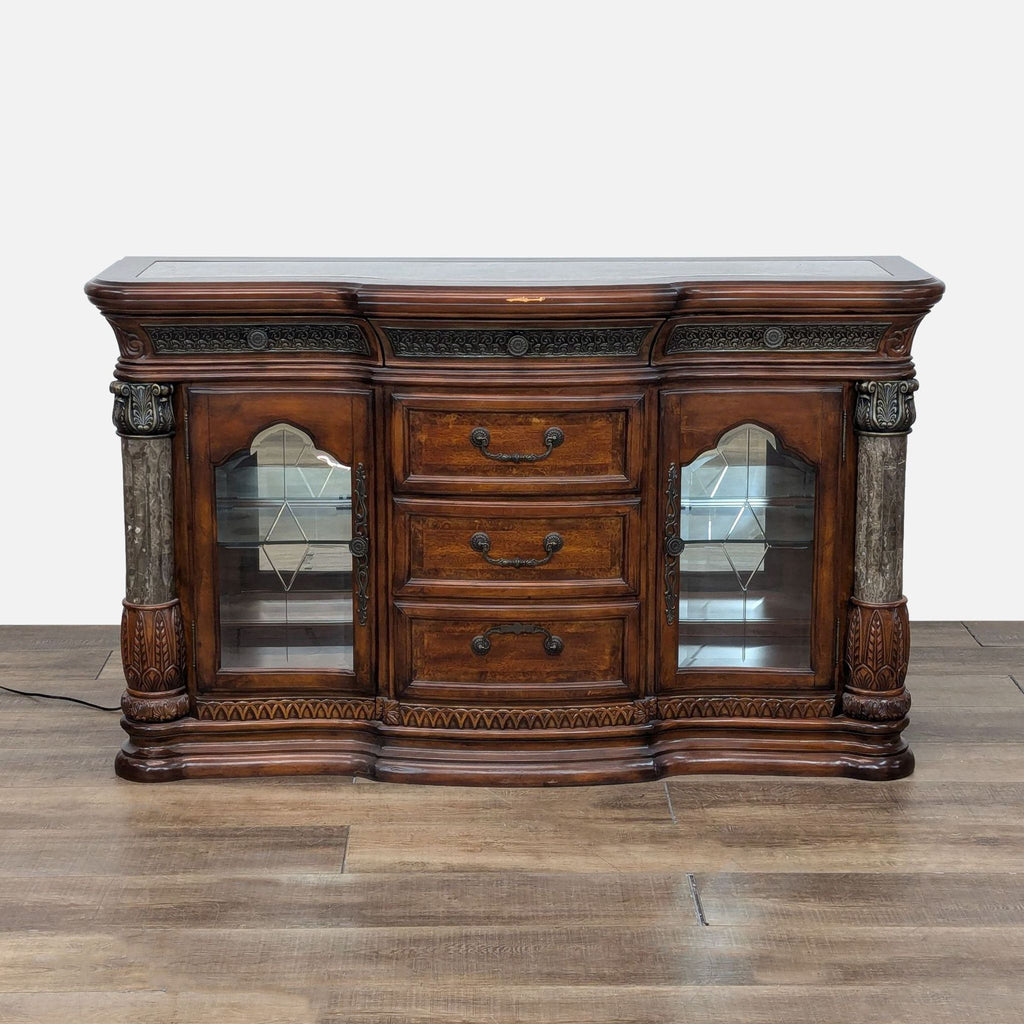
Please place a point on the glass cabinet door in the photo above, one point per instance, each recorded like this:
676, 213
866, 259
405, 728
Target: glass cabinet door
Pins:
282, 541
746, 572
284, 535
751, 538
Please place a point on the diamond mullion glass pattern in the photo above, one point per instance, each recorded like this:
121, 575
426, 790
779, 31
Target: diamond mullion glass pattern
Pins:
284, 525
746, 568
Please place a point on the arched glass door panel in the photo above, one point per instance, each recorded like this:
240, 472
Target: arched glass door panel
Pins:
746, 566
284, 552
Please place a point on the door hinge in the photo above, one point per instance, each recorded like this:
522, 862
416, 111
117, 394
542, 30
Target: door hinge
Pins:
188, 437
195, 656
844, 436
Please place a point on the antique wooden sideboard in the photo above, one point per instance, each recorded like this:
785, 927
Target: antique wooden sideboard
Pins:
514, 522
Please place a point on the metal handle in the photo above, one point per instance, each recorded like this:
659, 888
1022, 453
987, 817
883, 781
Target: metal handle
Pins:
482, 543
552, 644
480, 438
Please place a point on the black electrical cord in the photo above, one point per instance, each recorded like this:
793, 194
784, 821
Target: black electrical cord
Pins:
57, 696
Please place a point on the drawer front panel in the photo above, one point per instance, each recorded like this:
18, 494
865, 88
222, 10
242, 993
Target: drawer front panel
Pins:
529, 445
505, 549
532, 653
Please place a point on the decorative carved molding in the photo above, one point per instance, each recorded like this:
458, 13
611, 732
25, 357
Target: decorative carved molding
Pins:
600, 715
673, 543
143, 410
875, 666
153, 655
899, 339
885, 406
516, 343
129, 342
154, 709
275, 708
422, 716
775, 337
178, 339
745, 707
359, 546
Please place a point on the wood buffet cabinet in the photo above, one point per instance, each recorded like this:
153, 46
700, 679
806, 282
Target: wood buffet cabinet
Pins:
514, 522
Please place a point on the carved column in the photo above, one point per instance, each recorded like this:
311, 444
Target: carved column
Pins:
152, 634
878, 634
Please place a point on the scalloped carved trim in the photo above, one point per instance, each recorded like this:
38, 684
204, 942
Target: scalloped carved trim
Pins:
270, 709
517, 343
179, 339
600, 715
775, 337
420, 716
746, 707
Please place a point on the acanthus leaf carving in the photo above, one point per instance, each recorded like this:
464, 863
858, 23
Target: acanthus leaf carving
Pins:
876, 661
885, 406
142, 410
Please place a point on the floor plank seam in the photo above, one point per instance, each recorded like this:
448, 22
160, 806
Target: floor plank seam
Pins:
671, 809
1016, 682
344, 852
698, 907
971, 631
104, 665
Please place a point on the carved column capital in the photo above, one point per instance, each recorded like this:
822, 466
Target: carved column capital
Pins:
884, 406
143, 410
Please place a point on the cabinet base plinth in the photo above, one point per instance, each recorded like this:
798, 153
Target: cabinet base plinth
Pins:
190, 748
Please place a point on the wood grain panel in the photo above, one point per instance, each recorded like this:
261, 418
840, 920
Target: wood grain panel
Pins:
599, 553
435, 658
432, 452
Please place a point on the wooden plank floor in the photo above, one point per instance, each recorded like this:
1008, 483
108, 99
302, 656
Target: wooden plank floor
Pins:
302, 900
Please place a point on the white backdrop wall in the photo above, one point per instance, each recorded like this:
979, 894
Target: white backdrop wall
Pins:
508, 129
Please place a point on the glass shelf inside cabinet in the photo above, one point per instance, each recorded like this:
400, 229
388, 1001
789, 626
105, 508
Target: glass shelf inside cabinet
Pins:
284, 526
746, 523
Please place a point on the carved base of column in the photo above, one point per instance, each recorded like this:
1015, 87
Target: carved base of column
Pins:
877, 653
153, 655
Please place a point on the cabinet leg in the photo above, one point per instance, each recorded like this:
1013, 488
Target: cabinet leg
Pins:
153, 654
878, 628
877, 651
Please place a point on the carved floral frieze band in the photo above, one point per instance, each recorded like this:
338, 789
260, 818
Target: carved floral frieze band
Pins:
143, 410
482, 343
177, 339
777, 336
885, 406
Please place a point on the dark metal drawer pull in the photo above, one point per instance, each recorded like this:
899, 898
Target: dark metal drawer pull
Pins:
482, 543
480, 438
482, 644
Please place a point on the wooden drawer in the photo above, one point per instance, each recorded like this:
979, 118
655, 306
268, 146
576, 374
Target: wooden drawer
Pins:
526, 445
515, 549
520, 653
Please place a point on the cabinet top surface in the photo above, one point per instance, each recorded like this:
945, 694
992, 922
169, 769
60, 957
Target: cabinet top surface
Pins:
517, 272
